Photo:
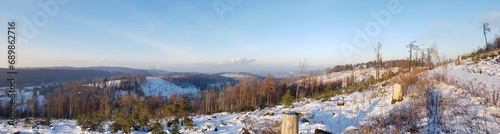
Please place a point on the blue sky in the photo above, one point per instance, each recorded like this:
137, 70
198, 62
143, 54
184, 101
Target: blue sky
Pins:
247, 35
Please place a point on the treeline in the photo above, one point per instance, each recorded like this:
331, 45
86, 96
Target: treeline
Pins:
121, 99
251, 94
92, 102
80, 97
401, 63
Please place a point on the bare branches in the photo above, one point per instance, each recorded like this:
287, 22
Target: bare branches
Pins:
412, 47
486, 28
302, 65
378, 59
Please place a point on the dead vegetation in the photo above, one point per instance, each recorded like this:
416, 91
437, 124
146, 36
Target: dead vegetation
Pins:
405, 116
260, 126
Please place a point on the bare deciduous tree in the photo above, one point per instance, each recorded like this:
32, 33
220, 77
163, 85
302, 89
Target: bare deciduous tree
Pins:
486, 28
411, 46
435, 53
302, 65
429, 56
378, 60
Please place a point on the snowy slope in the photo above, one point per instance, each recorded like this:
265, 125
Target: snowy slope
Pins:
359, 106
360, 74
158, 86
489, 66
22, 95
486, 73
322, 115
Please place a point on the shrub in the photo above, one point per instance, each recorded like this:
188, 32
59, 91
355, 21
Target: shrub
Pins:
188, 122
46, 121
484, 56
27, 121
243, 108
175, 129
410, 78
401, 118
287, 99
157, 128
122, 122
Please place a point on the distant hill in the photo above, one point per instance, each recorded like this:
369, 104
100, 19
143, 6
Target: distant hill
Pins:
41, 75
200, 80
44, 75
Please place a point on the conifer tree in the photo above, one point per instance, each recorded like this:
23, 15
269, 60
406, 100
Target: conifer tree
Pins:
287, 99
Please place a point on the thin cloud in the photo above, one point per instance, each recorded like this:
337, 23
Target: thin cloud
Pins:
493, 18
139, 38
236, 61
441, 23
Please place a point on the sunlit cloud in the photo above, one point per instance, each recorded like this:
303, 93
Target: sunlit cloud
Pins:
236, 61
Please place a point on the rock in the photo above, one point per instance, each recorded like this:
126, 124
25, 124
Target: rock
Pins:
319, 131
270, 113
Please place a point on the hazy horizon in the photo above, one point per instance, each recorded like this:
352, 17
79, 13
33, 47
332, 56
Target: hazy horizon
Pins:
239, 36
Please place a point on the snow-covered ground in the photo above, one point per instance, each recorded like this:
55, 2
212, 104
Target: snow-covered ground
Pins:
489, 66
59, 127
452, 106
158, 86
315, 114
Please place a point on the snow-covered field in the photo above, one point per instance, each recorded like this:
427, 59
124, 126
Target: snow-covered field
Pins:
453, 106
59, 127
158, 86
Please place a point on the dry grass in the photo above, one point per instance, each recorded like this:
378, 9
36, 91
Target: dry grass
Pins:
420, 87
261, 126
407, 116
404, 118
408, 78
495, 115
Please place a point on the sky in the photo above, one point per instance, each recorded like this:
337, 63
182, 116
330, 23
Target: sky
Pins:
238, 35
